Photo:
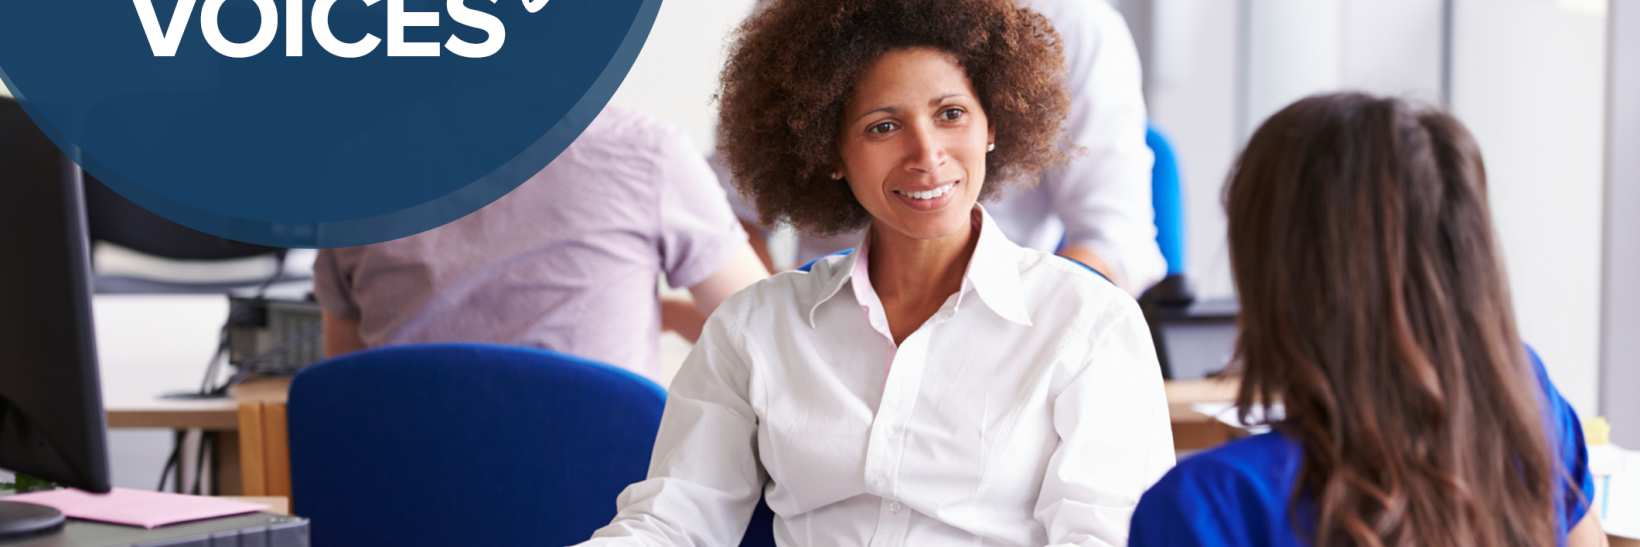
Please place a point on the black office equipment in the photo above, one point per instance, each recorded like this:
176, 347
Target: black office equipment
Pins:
273, 335
113, 218
1194, 340
51, 416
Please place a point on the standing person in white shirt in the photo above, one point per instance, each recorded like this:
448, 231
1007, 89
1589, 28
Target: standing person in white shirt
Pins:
1098, 205
941, 385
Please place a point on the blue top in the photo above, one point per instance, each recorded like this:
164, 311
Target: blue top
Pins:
1238, 494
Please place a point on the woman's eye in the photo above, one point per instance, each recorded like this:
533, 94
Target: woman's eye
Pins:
951, 114
881, 128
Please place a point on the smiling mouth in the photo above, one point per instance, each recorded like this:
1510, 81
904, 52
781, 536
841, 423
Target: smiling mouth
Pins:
928, 194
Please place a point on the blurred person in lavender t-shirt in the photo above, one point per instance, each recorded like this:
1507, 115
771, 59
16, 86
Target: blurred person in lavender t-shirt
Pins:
569, 261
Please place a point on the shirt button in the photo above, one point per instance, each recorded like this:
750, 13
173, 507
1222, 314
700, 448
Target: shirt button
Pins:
876, 484
894, 507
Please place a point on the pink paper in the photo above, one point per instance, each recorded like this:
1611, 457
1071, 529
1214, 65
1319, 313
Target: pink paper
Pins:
136, 507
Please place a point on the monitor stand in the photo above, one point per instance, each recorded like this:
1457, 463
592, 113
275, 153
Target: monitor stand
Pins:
19, 519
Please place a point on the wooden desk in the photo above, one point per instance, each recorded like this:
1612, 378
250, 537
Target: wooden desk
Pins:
264, 440
1193, 430
252, 456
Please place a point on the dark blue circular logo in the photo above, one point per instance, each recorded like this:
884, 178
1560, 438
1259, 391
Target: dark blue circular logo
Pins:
317, 123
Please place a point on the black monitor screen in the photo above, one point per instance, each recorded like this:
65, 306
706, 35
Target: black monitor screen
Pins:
51, 416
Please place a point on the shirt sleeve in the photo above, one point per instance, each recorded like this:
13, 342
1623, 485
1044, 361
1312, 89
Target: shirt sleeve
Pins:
333, 283
1191, 508
698, 232
738, 202
1571, 452
1104, 197
704, 477
1115, 438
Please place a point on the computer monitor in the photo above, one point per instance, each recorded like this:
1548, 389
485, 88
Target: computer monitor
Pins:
51, 416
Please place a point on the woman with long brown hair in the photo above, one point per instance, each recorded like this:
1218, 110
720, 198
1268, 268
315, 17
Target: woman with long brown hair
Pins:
1376, 312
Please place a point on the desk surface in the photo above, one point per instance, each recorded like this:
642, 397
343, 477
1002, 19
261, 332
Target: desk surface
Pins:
273, 530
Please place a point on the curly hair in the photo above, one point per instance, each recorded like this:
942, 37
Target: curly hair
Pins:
794, 67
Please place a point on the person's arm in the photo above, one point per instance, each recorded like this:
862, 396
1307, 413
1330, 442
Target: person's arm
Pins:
1206, 503
743, 269
333, 290
680, 315
704, 479
687, 316
1115, 437
1104, 197
1587, 533
703, 243
341, 335
1087, 256
1572, 453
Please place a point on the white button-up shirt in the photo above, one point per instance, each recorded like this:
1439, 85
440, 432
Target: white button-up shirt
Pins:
1028, 410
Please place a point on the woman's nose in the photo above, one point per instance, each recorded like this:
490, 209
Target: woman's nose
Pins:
926, 151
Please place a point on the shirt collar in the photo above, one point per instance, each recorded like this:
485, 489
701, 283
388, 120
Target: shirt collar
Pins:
993, 272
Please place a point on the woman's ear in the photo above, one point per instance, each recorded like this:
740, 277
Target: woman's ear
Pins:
991, 132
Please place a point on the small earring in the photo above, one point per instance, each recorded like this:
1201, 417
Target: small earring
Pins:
991, 147
836, 175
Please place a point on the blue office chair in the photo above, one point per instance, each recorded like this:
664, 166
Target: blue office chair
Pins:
1167, 199
465, 444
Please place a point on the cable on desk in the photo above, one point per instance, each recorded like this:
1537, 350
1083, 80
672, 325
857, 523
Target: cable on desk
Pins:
206, 441
173, 462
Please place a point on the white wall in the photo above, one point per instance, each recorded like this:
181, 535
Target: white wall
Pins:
1395, 47
677, 73
1194, 92
1528, 78
1295, 48
1620, 378
1217, 69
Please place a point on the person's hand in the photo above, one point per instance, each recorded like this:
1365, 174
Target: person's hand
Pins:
680, 315
340, 335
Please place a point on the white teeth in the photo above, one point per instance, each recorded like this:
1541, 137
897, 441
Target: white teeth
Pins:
928, 194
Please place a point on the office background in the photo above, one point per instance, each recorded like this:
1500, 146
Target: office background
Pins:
1529, 77
1551, 89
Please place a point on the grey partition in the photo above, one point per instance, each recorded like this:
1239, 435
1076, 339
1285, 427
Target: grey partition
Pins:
1620, 344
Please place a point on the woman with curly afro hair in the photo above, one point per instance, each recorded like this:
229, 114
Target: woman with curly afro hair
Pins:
939, 384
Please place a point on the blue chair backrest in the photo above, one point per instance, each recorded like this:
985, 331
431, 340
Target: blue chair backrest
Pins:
1167, 198
465, 444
